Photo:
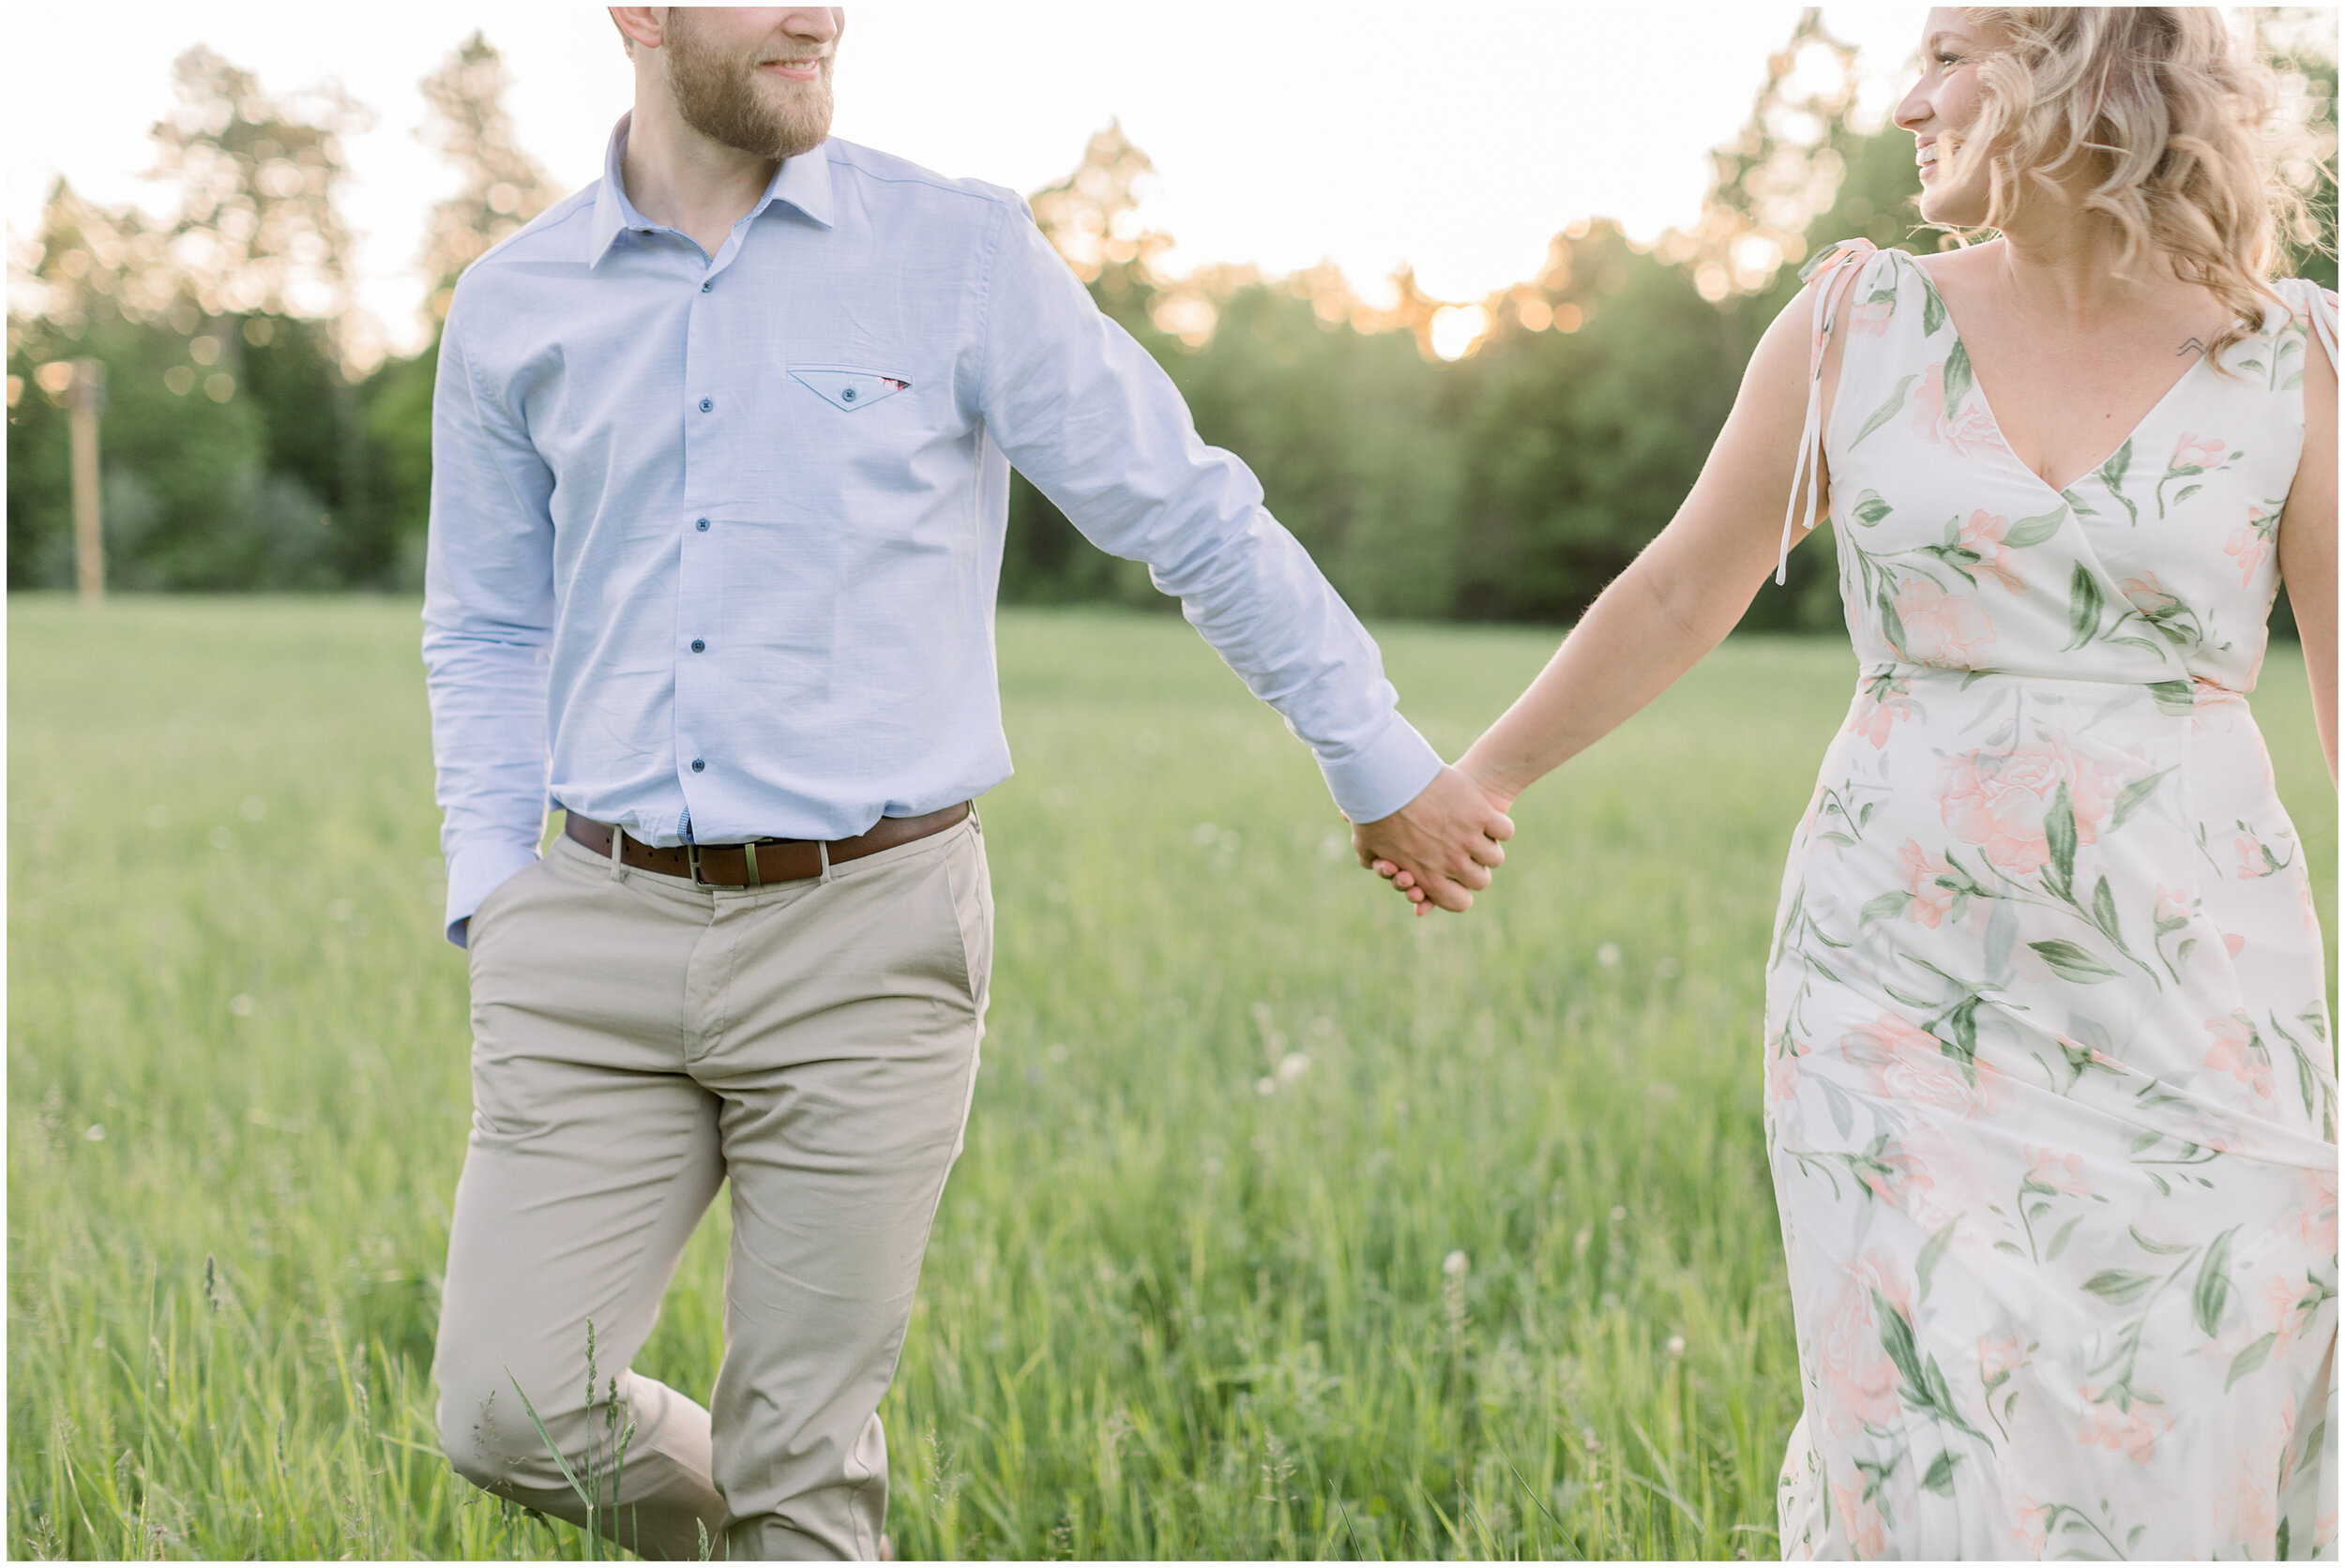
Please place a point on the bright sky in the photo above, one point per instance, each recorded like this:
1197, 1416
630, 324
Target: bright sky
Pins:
1458, 138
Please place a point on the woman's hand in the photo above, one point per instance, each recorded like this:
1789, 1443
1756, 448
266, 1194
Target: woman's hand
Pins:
1477, 801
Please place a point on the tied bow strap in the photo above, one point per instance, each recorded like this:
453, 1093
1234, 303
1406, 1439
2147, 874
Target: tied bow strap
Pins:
2318, 307
1833, 273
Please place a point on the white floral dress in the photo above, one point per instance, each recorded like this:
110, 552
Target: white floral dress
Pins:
2050, 1087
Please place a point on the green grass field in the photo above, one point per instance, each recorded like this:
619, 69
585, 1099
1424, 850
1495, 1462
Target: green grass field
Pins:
1288, 1226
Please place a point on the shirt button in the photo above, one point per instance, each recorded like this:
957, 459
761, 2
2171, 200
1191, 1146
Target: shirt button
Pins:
710, 284
700, 524
699, 766
698, 646
848, 395
707, 403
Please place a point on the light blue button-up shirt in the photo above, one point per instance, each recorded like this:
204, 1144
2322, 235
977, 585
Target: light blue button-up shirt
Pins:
715, 540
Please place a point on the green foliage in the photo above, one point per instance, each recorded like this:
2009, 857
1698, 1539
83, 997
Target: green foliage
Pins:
1511, 485
1579, 447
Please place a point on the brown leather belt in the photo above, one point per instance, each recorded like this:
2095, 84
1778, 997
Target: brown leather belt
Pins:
760, 861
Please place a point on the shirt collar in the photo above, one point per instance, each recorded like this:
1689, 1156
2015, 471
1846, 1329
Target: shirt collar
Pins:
802, 183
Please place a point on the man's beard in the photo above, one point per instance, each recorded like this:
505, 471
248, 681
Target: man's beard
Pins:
717, 96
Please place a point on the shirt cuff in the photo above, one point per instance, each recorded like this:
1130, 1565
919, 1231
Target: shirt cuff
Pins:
1380, 778
475, 872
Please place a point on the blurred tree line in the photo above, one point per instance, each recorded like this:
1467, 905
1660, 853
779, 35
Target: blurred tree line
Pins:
1500, 460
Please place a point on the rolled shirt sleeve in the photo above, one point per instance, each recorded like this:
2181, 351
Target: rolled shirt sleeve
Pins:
1084, 411
488, 611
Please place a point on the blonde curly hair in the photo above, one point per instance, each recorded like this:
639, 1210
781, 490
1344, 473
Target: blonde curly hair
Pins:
2169, 116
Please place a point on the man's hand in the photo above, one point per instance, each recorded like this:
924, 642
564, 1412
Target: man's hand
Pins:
1439, 848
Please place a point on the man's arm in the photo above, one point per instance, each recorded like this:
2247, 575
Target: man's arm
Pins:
1082, 410
488, 613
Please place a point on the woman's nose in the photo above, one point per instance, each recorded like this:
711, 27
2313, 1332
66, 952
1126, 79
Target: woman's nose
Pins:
1912, 110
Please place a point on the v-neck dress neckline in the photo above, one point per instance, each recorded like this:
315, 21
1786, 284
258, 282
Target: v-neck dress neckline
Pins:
2003, 438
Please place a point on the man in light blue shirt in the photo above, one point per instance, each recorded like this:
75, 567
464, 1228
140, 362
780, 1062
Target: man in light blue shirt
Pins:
721, 455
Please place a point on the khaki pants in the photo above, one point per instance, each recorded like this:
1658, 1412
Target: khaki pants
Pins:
638, 1041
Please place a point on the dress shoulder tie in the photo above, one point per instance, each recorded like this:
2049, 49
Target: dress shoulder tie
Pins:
1833, 271
2317, 306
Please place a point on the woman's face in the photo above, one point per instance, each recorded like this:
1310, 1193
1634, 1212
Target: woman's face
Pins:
1939, 111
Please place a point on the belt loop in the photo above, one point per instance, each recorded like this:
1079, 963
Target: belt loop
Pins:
618, 842
822, 852
748, 860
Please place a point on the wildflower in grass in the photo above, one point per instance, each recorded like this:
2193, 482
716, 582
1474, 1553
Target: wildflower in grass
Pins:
1293, 1065
1454, 1264
1608, 955
1675, 1347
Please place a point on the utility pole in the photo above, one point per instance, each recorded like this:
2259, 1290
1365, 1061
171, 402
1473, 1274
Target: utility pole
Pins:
86, 399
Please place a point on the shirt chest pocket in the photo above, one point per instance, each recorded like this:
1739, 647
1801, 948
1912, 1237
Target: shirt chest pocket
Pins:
849, 389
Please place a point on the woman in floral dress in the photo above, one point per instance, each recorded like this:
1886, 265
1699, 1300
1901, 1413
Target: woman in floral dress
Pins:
2050, 1079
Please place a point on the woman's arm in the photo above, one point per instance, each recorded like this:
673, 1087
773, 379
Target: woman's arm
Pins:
2308, 544
1681, 597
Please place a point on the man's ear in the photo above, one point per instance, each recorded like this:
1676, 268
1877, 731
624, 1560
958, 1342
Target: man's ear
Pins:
640, 25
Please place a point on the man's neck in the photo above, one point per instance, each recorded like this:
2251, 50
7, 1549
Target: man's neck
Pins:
676, 176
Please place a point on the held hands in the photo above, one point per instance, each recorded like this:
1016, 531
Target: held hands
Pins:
1442, 847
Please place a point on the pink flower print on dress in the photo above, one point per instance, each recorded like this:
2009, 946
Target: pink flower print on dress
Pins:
1860, 1521
1941, 629
2234, 943
1966, 431
2239, 1050
2283, 1307
2146, 594
1931, 902
1873, 317
1911, 1067
2250, 544
2316, 1218
1848, 1358
2098, 1058
2247, 1511
1983, 535
1941, 1184
1997, 800
2133, 1433
1783, 1070
2254, 859
2195, 454
2058, 1173
1874, 716
2030, 1524
2173, 904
